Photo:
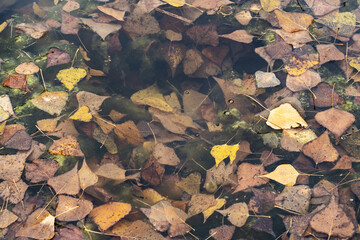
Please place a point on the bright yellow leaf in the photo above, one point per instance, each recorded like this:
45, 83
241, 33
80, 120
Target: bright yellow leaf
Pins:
47, 125
220, 202
152, 196
285, 117
82, 114
354, 62
108, 214
220, 152
269, 5
151, 96
3, 26
297, 66
285, 174
175, 3
71, 76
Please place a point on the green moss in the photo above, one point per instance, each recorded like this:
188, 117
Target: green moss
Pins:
25, 109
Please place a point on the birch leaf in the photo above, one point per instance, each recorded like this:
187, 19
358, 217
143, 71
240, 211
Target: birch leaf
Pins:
285, 174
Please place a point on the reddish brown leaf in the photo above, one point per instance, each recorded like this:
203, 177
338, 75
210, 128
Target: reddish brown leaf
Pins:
204, 35
40, 170
326, 97
249, 176
16, 81
57, 56
321, 149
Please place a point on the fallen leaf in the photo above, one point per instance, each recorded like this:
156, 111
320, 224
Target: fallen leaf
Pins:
71, 6
335, 120
64, 129
191, 184
200, 202
220, 202
345, 162
322, 93
297, 224
7, 218
136, 230
295, 198
296, 65
343, 23
224, 232
305, 81
293, 140
91, 100
40, 170
82, 114
112, 171
293, 21
38, 11
47, 125
296, 39
264, 225
165, 155
27, 68
266, 79
87, 177
107, 140
16, 81
153, 172
263, 200
173, 54
21, 140
72, 209
102, 29
243, 17
67, 183
140, 23
152, 196
285, 117
117, 14
278, 49
35, 30
129, 133
11, 166
220, 175
39, 225
13, 191
148, 6
262, 53
71, 76
57, 56
67, 146
220, 152
285, 174
51, 102
6, 109
192, 61
204, 34
323, 7
321, 149
173, 101
333, 221
192, 102
237, 214
249, 176
175, 3
239, 36
329, 52
69, 232
151, 96
69, 24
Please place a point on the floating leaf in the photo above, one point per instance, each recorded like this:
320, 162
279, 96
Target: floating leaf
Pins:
39, 225
294, 139
285, 117
249, 176
102, 29
295, 198
27, 68
200, 202
71, 6
237, 214
297, 66
16, 81
175, 3
220, 152
67, 146
112, 171
321, 149
239, 36
285, 174
67, 183
72, 209
47, 125
305, 81
71, 76
11, 166
151, 96
342, 23
108, 214
129, 133
82, 114
87, 177
266, 79
91, 100
296, 39
152, 196
136, 230
51, 102
323, 7
293, 21
220, 202
270, 5
57, 56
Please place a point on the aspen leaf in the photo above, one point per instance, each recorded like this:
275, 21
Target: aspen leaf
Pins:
200, 202
285, 174
175, 3
119, 15
151, 96
293, 21
71, 76
47, 125
321, 149
220, 152
239, 36
67, 183
343, 23
39, 225
67, 146
269, 5
72, 209
112, 171
220, 202
51, 102
295, 66
71, 6
82, 114
102, 29
13, 192
91, 100
285, 117
191, 184
237, 213
86, 176
152, 196
108, 214
27, 68
7, 218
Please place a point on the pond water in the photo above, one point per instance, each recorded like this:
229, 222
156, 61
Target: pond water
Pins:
174, 119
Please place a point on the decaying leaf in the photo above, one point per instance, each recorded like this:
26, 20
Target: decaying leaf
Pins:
295, 198
296, 39
71, 76
27, 68
200, 202
239, 36
205, 34
249, 176
108, 214
323, 7
40, 170
91, 100
67, 183
7, 218
293, 21
47, 125
72, 209
11, 166
67, 146
191, 184
224, 232
294, 139
16, 81
266, 79
57, 56
285, 174
136, 230
129, 133
237, 214
51, 102
13, 191
321, 149
102, 29
220, 202
342, 23
119, 15
285, 117
39, 225
305, 81
35, 30
165, 155
86, 176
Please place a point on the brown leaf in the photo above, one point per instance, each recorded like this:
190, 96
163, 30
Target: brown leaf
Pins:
204, 35
264, 225
21, 140
192, 61
65, 128
216, 54
249, 176
57, 56
345, 162
305, 81
296, 39
239, 36
237, 213
200, 202
102, 29
278, 49
129, 133
261, 51
326, 97
335, 120
117, 14
323, 7
16, 81
11, 166
13, 191
243, 17
294, 139
224, 232
153, 173
220, 176
67, 146
173, 54
137, 229
297, 224
67, 183
321, 149
293, 21
40, 170
191, 184
71, 6
7, 218
267, 158
165, 155
72, 209
90, 100
295, 198
263, 200
27, 68
140, 23
39, 225
51, 102
69, 24
328, 52
192, 102
87, 177
35, 30
69, 232
332, 220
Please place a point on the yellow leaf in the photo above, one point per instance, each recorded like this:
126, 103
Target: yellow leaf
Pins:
297, 67
270, 5
38, 11
175, 3
3, 26
285, 117
151, 96
285, 174
220, 152
342, 23
208, 212
51, 102
84, 54
354, 62
47, 125
82, 114
293, 21
108, 214
152, 196
71, 76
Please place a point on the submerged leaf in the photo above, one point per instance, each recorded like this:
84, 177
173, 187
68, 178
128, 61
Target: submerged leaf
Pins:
237, 213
